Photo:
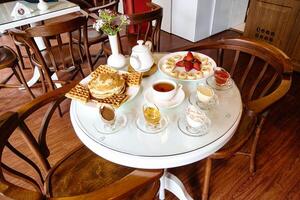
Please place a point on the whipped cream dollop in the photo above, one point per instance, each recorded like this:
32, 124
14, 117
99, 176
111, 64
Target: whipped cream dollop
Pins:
196, 117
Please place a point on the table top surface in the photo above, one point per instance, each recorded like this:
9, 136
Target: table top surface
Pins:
169, 148
55, 9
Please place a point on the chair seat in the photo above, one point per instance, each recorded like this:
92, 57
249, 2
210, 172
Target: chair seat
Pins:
7, 57
93, 36
65, 53
83, 172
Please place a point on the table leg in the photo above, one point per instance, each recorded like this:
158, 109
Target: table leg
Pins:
171, 183
162, 186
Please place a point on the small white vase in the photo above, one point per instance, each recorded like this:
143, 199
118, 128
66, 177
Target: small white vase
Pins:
115, 60
42, 5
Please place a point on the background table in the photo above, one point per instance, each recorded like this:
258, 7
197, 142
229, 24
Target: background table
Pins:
62, 7
169, 148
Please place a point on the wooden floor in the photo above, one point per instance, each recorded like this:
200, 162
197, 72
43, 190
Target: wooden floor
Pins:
278, 161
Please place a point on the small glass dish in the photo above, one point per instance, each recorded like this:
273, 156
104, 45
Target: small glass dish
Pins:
194, 122
193, 100
145, 127
212, 83
108, 121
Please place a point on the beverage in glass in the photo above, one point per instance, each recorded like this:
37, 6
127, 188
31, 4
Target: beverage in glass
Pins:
151, 115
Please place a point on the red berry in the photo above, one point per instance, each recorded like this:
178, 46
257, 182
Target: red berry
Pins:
197, 66
188, 66
180, 63
197, 60
189, 57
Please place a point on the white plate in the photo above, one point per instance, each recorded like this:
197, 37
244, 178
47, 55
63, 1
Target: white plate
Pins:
175, 101
163, 60
131, 91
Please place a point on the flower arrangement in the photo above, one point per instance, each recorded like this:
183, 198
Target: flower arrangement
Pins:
110, 22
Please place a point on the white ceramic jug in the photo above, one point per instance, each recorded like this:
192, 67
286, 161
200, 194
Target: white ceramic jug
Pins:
141, 57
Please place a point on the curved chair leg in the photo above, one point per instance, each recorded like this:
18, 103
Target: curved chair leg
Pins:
20, 57
254, 145
207, 175
21, 78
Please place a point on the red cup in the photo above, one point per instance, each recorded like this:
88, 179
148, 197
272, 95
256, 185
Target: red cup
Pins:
221, 77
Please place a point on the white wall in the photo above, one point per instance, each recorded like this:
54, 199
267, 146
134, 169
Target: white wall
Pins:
167, 14
204, 19
184, 16
238, 12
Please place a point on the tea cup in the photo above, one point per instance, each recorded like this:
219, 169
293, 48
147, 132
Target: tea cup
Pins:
221, 76
165, 89
205, 93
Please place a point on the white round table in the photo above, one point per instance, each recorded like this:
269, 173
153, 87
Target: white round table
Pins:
167, 149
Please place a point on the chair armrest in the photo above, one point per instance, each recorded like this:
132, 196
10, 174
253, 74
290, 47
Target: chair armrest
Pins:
9, 191
263, 103
35, 104
126, 186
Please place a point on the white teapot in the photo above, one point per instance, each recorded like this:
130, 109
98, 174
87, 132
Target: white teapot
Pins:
141, 58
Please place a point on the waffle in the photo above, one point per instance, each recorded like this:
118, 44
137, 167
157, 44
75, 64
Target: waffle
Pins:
103, 69
80, 93
116, 100
133, 78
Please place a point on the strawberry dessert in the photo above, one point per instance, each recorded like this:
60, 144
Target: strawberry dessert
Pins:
188, 66
189, 62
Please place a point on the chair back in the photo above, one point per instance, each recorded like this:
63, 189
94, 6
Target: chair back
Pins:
261, 71
152, 19
60, 51
104, 4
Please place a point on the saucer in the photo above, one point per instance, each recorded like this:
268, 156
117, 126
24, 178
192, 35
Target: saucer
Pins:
212, 83
205, 106
172, 103
141, 124
104, 128
185, 128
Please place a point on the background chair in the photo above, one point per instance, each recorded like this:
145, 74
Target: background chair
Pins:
62, 55
152, 19
79, 175
263, 75
9, 59
95, 37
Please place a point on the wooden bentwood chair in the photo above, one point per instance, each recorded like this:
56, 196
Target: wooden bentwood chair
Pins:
263, 75
152, 19
95, 37
9, 59
79, 175
61, 54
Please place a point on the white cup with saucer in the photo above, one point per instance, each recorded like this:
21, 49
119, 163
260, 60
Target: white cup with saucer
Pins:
205, 93
165, 89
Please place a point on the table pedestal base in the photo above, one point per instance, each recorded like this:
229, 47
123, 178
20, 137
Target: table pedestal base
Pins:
171, 183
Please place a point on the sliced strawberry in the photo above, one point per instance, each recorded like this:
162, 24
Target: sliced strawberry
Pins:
189, 57
197, 66
180, 63
188, 66
197, 60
